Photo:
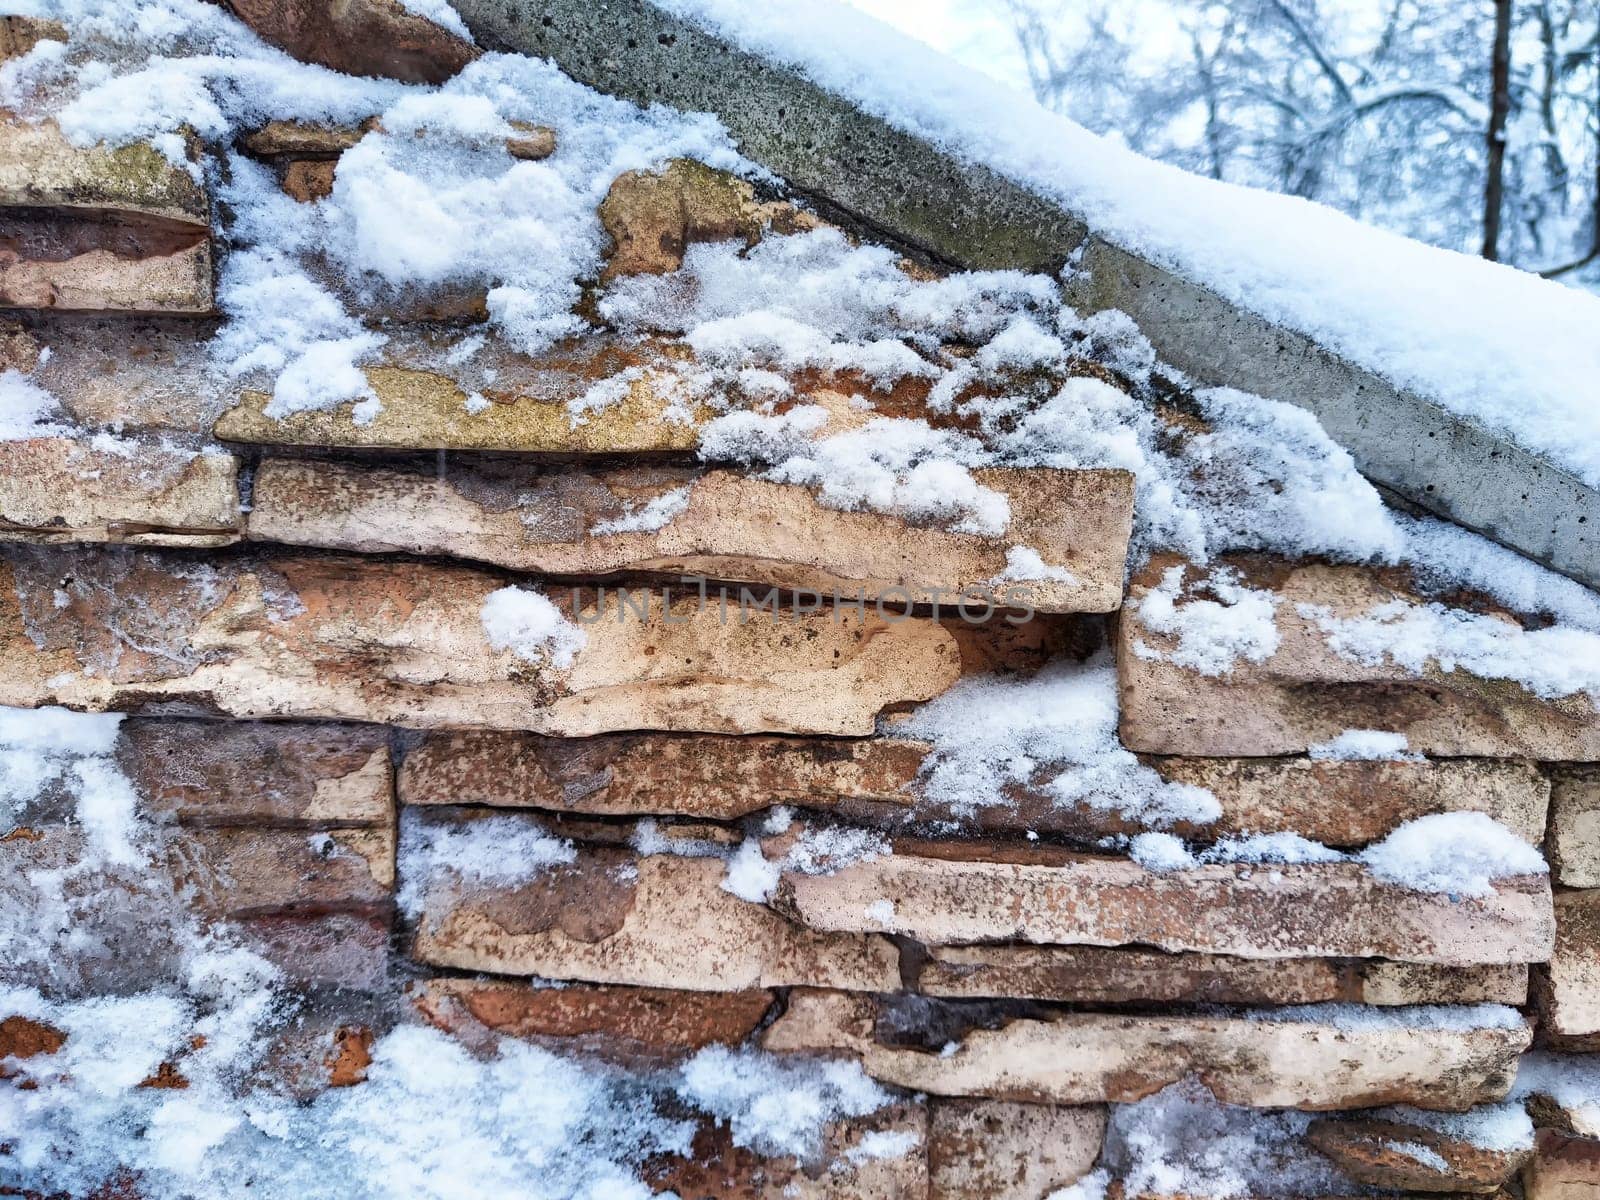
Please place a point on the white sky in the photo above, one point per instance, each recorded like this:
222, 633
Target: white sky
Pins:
977, 32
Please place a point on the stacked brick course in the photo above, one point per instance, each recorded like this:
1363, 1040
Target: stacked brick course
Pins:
292, 607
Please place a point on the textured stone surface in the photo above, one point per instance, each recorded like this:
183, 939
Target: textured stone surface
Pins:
645, 1026
873, 782
654, 921
314, 904
1574, 846
1397, 983
1305, 693
19, 34
260, 872
268, 773
1296, 911
359, 37
630, 774
308, 179
67, 489
1570, 989
301, 139
424, 410
1562, 1168
404, 643
716, 1169
21, 1038
1374, 1152
1003, 1151
531, 142
1087, 1058
730, 527
1356, 803
94, 229
148, 376
321, 949
39, 168
1123, 975
652, 217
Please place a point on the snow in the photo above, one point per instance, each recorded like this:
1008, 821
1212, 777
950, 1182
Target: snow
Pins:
879, 1144
524, 622
1091, 1187
657, 514
816, 850
773, 1105
1357, 1017
1281, 848
1418, 1153
27, 410
1024, 564
1504, 1127
889, 465
1356, 745
1455, 328
1160, 852
1571, 1081
501, 850
751, 876
440, 13
1212, 633
1182, 1142
1056, 733
1552, 662
1459, 853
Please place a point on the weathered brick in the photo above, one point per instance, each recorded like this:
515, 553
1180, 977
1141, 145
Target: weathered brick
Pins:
703, 775
1124, 975
527, 412
99, 229
1292, 911
1569, 991
258, 872
652, 217
636, 1025
1305, 693
1562, 1168
1354, 803
359, 37
67, 489
846, 1167
731, 527
613, 916
301, 139
874, 782
1089, 1058
19, 34
260, 773
404, 643
1574, 844
1377, 1153
1004, 1151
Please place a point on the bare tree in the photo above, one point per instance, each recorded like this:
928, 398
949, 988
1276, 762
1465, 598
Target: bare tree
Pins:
1499, 111
1474, 126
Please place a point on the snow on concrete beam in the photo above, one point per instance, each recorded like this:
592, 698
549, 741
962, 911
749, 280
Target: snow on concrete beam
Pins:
912, 191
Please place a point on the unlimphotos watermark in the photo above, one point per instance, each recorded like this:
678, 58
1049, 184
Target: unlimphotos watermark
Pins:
741, 604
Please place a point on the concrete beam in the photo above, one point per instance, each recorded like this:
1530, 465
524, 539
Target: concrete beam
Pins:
901, 187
